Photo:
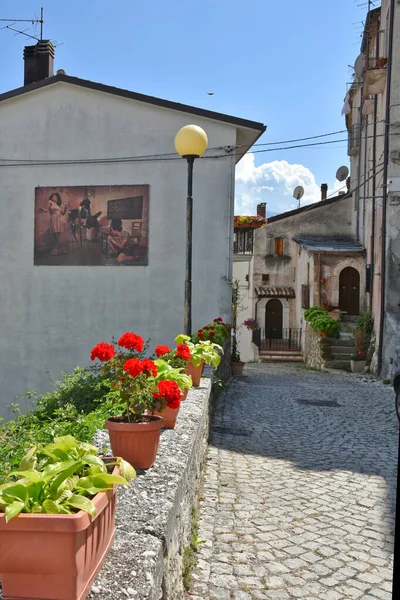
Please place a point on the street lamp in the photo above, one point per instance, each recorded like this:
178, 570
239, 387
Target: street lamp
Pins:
190, 143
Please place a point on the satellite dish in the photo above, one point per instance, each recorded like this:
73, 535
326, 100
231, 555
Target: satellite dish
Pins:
298, 192
359, 66
342, 173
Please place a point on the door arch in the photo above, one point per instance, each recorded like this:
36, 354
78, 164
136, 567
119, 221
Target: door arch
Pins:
349, 291
274, 319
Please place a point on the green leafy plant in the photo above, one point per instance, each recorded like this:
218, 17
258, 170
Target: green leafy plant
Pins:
320, 320
207, 351
216, 332
133, 379
235, 354
60, 478
166, 372
363, 332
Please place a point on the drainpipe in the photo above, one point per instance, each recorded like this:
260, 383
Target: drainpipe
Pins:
319, 278
359, 170
385, 176
365, 176
372, 256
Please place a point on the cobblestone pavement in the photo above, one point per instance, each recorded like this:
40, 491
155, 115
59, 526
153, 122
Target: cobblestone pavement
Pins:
298, 499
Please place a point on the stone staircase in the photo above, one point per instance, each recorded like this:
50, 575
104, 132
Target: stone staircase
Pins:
292, 356
343, 347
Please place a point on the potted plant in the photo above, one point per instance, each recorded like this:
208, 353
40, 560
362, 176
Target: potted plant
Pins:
134, 435
216, 332
203, 352
165, 372
251, 324
57, 520
358, 362
237, 364
320, 320
178, 359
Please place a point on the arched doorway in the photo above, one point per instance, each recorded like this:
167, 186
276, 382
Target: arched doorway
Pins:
274, 320
349, 291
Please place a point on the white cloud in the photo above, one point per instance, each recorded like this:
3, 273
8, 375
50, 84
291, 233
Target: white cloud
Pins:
273, 183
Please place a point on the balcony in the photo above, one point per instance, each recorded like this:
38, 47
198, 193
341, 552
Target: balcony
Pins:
375, 76
243, 241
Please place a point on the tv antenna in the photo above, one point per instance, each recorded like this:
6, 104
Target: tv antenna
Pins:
342, 173
298, 193
24, 32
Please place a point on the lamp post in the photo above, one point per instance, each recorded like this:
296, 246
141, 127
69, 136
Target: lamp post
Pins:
190, 143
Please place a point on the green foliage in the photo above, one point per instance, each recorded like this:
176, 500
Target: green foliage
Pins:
166, 371
320, 320
235, 354
207, 351
363, 332
214, 332
59, 478
77, 406
189, 553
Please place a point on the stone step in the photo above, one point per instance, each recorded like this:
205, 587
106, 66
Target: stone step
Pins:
342, 357
281, 358
281, 352
348, 342
343, 365
342, 349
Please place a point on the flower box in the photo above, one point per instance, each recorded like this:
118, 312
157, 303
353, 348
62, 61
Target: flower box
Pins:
56, 557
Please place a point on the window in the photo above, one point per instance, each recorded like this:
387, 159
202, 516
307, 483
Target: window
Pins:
265, 278
278, 246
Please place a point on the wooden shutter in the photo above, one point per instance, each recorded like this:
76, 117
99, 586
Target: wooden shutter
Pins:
305, 296
278, 246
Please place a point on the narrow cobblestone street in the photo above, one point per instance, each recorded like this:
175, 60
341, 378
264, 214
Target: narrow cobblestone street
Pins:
298, 497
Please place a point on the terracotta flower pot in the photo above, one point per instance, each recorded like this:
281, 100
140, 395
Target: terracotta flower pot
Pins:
237, 368
185, 393
324, 334
169, 416
195, 372
135, 442
55, 557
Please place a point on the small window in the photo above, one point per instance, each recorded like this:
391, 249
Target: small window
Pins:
265, 278
278, 246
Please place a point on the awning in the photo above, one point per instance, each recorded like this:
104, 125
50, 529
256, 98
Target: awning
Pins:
271, 291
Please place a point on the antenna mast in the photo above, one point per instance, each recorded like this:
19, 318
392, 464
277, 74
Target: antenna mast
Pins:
32, 21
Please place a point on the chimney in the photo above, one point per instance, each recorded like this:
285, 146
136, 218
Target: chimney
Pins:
261, 209
38, 61
324, 190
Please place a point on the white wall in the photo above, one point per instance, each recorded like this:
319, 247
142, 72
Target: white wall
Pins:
243, 272
52, 316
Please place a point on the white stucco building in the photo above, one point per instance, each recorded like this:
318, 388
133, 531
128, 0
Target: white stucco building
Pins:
59, 132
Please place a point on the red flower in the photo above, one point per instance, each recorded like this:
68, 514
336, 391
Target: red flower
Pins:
133, 366
161, 350
183, 351
211, 327
131, 341
201, 335
170, 392
218, 320
212, 334
149, 367
103, 352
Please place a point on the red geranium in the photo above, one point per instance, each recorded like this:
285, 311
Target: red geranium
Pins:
133, 366
103, 352
212, 334
161, 350
131, 341
218, 320
170, 392
201, 335
149, 367
183, 351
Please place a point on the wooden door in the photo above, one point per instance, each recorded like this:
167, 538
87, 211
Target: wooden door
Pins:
274, 319
349, 291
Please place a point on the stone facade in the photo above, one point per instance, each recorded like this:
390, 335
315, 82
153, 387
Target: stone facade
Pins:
312, 349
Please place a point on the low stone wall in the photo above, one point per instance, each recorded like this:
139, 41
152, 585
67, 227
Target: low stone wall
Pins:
312, 349
154, 515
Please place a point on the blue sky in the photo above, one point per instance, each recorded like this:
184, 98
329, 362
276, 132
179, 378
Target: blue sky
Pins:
282, 63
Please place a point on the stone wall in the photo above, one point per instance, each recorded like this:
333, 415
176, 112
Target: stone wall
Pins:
312, 349
154, 516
